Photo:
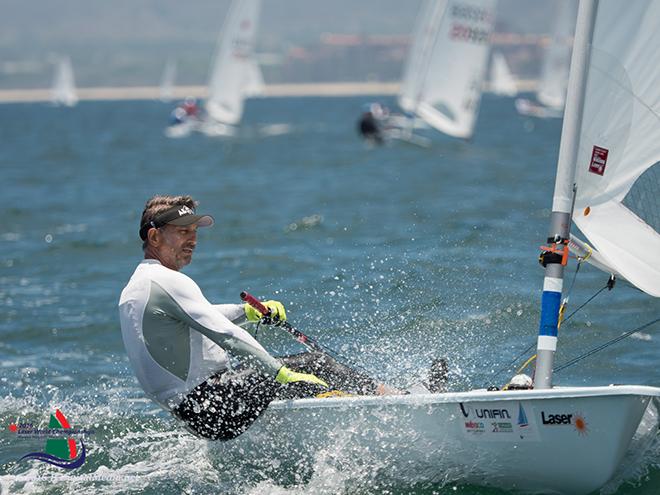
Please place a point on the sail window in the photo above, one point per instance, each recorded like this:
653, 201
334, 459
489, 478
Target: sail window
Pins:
445, 110
643, 199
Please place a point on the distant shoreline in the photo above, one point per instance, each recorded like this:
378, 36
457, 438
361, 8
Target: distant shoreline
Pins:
180, 92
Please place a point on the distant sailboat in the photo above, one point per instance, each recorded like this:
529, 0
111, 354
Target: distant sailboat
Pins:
502, 82
551, 92
63, 91
167, 81
235, 74
446, 67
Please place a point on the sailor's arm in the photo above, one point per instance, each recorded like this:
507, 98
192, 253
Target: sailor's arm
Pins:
188, 304
233, 312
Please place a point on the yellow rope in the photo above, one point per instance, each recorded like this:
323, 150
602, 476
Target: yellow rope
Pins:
527, 363
589, 251
332, 393
562, 310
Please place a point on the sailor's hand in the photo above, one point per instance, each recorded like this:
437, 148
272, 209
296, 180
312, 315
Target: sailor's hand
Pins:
286, 375
277, 313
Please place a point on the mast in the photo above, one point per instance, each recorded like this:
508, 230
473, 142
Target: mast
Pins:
560, 220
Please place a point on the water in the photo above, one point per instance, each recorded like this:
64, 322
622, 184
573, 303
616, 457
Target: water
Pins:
393, 256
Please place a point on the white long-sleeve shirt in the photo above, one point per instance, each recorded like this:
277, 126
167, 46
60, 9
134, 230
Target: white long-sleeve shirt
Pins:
175, 338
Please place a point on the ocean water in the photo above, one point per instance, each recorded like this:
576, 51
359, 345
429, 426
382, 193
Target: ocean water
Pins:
392, 256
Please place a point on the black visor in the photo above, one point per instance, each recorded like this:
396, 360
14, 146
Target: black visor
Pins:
177, 215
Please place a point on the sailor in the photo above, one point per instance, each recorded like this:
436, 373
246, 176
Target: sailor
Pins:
178, 116
370, 128
192, 357
190, 107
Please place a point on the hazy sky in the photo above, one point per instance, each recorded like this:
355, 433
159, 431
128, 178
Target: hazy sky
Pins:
57, 23
126, 33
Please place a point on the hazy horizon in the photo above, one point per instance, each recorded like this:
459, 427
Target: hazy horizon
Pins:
127, 42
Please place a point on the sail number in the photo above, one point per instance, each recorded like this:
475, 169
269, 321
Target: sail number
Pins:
461, 32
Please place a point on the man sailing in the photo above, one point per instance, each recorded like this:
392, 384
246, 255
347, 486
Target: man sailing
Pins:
191, 356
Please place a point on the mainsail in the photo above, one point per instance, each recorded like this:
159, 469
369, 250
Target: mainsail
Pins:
233, 71
608, 156
167, 81
447, 64
617, 205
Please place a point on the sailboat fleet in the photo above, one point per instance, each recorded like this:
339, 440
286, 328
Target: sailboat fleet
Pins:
542, 438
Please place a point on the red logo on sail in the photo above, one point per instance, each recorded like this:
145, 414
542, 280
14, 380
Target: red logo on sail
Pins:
598, 160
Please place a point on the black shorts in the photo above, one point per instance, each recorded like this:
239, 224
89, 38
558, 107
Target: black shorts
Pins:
225, 405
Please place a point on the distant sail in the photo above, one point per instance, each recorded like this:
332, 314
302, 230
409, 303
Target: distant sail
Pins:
557, 59
63, 91
502, 81
167, 81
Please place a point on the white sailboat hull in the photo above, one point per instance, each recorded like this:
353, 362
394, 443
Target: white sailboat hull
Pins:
208, 127
213, 128
568, 440
529, 108
183, 129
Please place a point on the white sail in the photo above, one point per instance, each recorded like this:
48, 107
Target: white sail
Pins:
618, 176
167, 81
425, 31
551, 91
502, 81
64, 88
447, 65
233, 67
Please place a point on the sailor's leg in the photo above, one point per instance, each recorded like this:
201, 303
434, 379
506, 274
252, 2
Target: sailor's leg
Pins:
225, 405
338, 376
